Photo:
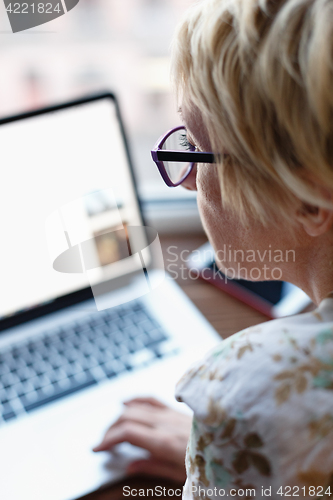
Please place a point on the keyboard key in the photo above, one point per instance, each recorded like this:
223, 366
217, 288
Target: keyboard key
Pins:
29, 399
3, 397
118, 350
110, 330
97, 322
75, 386
132, 331
110, 315
89, 362
81, 377
52, 333
139, 317
93, 334
67, 333
116, 337
74, 368
72, 355
140, 358
41, 367
68, 369
104, 356
64, 384
113, 368
9, 380
137, 306
45, 392
19, 363
135, 345
152, 341
125, 322
4, 369
166, 348
9, 364
56, 361
58, 374
36, 382
157, 335
83, 331
76, 341
147, 326
7, 412
25, 373
102, 343
28, 387
87, 348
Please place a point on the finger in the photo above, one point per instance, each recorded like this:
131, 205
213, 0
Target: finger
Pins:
138, 414
137, 417
147, 401
136, 434
158, 468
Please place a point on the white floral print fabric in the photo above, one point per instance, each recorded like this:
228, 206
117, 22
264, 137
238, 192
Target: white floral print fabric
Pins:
263, 412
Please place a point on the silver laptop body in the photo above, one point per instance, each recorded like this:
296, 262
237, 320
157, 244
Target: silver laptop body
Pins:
88, 317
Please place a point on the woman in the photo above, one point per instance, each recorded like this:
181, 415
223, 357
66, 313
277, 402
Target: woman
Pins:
255, 82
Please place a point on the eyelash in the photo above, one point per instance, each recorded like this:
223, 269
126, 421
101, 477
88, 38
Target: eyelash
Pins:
184, 142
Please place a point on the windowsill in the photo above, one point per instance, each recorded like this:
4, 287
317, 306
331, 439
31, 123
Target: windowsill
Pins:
170, 210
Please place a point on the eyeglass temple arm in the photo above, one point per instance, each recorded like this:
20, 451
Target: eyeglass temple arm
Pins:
185, 156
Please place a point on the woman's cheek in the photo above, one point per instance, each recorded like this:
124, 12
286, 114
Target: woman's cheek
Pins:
211, 215
224, 232
210, 218
202, 209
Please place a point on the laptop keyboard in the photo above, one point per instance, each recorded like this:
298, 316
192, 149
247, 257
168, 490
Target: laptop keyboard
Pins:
81, 354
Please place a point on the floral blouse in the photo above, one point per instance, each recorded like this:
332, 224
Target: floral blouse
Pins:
263, 412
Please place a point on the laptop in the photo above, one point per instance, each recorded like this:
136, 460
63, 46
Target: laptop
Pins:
88, 317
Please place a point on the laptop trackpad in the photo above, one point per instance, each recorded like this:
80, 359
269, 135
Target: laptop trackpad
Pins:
60, 463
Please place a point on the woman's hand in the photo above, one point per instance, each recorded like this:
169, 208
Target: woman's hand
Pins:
151, 425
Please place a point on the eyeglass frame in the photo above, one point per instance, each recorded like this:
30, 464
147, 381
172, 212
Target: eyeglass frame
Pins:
192, 157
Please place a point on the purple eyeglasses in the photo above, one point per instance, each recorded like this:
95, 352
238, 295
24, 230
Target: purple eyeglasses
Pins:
175, 157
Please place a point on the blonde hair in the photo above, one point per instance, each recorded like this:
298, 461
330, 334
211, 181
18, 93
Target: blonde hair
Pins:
261, 74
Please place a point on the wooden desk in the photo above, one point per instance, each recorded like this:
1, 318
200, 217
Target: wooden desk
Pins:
226, 314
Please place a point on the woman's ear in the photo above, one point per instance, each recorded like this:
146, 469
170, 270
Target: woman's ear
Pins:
315, 220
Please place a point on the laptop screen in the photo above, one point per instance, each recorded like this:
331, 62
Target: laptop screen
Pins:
66, 179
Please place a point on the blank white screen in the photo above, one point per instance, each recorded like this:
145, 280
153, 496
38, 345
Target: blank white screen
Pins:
48, 161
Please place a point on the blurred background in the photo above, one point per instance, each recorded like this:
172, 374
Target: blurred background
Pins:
117, 45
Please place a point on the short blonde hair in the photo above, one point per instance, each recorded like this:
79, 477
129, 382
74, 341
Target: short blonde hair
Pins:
261, 74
